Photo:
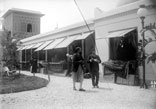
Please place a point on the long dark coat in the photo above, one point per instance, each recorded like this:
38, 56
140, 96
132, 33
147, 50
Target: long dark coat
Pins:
33, 63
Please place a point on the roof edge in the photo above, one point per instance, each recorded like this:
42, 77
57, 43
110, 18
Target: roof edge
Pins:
63, 29
121, 9
9, 11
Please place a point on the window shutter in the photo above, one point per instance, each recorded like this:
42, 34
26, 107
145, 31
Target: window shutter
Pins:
33, 27
23, 27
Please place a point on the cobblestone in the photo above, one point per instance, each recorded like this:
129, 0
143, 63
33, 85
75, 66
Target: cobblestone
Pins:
59, 94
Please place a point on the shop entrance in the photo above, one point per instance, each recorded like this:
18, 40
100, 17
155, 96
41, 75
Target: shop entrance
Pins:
123, 57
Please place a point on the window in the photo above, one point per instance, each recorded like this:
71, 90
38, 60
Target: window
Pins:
29, 27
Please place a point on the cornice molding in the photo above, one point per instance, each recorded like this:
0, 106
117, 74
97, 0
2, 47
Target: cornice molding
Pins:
125, 10
117, 15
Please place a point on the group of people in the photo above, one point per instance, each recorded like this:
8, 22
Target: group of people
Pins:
78, 68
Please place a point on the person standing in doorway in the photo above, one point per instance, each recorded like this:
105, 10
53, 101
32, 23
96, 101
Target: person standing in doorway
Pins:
77, 73
94, 61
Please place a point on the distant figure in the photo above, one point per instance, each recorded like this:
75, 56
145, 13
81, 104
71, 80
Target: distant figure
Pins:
55, 58
33, 67
94, 61
78, 68
7, 71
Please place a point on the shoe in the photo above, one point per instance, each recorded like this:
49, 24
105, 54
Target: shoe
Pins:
97, 86
74, 88
82, 90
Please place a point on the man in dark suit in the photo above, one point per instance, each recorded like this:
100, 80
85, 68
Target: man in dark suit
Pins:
94, 61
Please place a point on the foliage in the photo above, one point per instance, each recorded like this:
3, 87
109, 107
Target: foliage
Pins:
147, 40
152, 58
9, 47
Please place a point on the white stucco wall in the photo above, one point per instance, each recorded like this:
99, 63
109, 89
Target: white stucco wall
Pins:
120, 22
16, 20
26, 18
8, 22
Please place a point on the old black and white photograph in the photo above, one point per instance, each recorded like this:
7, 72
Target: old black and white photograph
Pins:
77, 54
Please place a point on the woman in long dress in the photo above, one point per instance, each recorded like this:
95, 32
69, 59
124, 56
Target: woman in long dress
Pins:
33, 63
78, 68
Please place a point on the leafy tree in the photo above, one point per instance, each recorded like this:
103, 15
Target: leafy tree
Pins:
9, 47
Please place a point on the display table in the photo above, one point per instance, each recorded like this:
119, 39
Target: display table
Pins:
55, 66
119, 68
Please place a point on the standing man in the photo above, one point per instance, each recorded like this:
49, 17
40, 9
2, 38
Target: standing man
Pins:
94, 61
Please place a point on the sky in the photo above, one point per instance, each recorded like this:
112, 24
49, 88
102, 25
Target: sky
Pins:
59, 13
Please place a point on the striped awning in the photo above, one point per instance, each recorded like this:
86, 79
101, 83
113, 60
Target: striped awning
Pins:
45, 44
118, 33
83, 36
54, 44
67, 41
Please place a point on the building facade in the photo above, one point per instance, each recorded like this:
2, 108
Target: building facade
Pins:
108, 30
124, 19
22, 23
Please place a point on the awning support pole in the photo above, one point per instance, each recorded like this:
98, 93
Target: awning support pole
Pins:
83, 48
20, 52
46, 57
31, 55
25, 57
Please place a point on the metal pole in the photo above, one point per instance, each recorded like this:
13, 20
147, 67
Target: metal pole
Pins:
144, 85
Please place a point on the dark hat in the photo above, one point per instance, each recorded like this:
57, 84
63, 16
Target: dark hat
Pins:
77, 49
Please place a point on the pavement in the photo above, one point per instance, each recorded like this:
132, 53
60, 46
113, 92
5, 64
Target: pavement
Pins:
59, 94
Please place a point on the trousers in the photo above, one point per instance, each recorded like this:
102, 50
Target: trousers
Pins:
95, 78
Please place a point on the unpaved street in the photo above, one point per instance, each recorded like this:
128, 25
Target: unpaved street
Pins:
60, 95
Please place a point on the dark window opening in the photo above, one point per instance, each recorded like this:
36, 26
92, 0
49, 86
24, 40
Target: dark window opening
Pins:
124, 48
29, 28
41, 55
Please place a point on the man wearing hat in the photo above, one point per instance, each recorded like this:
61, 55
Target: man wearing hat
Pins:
94, 61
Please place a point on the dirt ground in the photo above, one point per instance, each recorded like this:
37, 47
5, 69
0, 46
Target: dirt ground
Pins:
59, 94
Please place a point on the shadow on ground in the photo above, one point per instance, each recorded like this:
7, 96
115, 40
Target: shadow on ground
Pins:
106, 89
21, 83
